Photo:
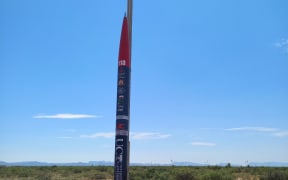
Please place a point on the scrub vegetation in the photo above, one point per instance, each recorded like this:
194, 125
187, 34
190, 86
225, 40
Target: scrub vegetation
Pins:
144, 172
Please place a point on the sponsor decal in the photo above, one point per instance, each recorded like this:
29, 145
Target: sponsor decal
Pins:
121, 82
120, 159
122, 62
120, 126
121, 98
121, 90
121, 101
120, 108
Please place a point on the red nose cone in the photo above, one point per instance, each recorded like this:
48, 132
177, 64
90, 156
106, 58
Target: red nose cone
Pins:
124, 50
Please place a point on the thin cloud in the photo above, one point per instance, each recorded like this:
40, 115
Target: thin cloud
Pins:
281, 134
66, 116
149, 135
198, 143
99, 135
135, 136
258, 129
282, 44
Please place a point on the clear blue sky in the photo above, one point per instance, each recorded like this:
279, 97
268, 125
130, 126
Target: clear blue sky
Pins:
209, 80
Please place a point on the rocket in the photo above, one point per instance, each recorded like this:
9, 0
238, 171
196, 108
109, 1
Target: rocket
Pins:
122, 143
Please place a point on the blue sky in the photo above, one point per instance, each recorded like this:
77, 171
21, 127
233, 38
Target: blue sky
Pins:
209, 80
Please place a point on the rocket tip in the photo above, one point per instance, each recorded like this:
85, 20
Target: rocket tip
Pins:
125, 14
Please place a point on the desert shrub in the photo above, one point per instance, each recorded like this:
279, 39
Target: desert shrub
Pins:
185, 176
137, 173
212, 176
76, 170
214, 167
103, 168
144, 173
98, 176
44, 176
151, 173
228, 165
164, 176
275, 175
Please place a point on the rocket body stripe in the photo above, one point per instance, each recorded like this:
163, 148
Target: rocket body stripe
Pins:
122, 117
121, 161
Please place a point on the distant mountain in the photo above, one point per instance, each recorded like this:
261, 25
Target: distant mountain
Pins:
269, 164
109, 163
36, 163
26, 163
188, 164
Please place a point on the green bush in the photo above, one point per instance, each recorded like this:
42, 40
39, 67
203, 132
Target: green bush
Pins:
212, 176
275, 175
185, 176
144, 173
